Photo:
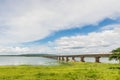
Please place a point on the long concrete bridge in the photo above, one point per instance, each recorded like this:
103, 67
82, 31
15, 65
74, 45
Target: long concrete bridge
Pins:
67, 57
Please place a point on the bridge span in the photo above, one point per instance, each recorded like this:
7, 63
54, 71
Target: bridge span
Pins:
82, 56
67, 57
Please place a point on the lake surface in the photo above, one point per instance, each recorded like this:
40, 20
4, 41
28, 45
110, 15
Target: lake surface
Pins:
21, 60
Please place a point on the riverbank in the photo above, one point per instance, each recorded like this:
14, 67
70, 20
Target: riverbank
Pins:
64, 71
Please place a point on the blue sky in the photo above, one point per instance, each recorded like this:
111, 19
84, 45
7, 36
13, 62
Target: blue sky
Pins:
76, 31
59, 26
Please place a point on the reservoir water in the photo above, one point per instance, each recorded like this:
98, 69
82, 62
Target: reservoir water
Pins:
21, 60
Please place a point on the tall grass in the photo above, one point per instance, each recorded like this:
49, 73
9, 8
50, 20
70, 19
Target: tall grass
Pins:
65, 71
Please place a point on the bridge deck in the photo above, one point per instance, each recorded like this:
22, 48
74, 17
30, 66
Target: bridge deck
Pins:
86, 55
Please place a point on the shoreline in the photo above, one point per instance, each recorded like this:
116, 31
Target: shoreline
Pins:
61, 63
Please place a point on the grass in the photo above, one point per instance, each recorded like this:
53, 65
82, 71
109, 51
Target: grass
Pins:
64, 71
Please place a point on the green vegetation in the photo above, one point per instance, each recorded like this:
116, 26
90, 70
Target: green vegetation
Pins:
64, 71
115, 55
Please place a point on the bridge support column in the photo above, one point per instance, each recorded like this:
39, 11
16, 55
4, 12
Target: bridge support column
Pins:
82, 59
62, 58
97, 59
73, 58
59, 58
67, 59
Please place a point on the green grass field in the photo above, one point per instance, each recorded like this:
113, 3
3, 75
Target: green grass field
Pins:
64, 71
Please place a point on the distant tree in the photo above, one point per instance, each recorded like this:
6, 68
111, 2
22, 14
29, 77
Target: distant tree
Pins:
115, 55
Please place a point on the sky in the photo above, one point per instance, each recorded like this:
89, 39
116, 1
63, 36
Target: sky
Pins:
59, 26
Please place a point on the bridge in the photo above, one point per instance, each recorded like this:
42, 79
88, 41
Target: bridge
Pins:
82, 56
66, 57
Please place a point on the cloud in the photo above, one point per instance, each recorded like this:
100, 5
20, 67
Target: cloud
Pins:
94, 42
29, 20
110, 27
12, 50
41, 49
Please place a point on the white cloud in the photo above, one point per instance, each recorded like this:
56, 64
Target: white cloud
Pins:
27, 50
95, 42
29, 20
12, 50
110, 27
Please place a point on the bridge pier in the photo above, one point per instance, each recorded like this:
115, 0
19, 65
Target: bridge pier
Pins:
82, 59
59, 58
67, 58
97, 59
73, 59
63, 59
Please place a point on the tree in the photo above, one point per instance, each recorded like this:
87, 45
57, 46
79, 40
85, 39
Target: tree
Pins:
115, 55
